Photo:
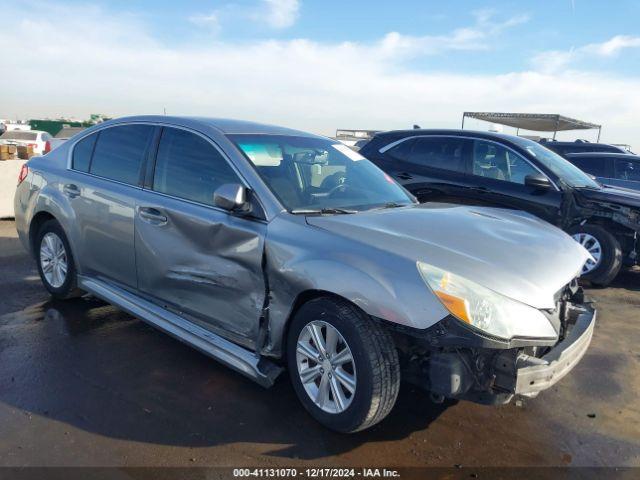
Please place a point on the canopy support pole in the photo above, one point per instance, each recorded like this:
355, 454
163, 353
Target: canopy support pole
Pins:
463, 117
599, 132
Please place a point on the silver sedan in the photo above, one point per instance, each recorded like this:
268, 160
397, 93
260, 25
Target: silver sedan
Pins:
269, 248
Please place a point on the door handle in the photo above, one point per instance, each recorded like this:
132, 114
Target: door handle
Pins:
71, 190
480, 189
404, 176
152, 216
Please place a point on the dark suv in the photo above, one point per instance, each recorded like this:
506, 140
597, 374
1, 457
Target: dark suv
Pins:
580, 146
615, 169
484, 168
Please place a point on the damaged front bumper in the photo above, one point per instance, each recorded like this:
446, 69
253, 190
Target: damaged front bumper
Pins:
452, 362
534, 374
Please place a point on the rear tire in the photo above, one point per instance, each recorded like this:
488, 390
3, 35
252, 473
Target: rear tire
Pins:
55, 261
374, 370
610, 261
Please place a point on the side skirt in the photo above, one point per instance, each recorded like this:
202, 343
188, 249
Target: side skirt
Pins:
238, 358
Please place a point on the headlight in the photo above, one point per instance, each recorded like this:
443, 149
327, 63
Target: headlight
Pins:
485, 309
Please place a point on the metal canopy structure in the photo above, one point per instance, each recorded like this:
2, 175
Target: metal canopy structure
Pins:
537, 122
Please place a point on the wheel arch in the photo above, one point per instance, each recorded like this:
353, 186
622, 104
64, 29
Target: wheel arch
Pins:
34, 227
301, 299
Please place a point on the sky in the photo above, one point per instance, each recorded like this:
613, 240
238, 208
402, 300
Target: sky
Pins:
322, 65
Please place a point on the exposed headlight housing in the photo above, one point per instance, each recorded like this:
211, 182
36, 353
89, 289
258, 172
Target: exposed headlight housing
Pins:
485, 309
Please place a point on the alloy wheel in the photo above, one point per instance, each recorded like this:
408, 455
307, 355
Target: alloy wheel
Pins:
592, 245
53, 260
326, 367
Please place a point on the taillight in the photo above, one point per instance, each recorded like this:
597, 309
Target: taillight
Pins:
47, 146
24, 171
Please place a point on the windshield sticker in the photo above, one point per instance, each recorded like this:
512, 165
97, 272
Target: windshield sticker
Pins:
351, 154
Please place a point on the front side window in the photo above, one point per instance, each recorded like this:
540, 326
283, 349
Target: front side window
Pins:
568, 173
308, 173
120, 151
492, 160
189, 167
627, 170
82, 153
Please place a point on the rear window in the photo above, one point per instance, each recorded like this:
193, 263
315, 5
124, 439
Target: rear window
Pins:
19, 135
82, 153
120, 151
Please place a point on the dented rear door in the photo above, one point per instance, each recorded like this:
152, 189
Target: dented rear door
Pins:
191, 256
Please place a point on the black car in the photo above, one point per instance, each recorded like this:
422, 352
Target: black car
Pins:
615, 169
484, 168
580, 146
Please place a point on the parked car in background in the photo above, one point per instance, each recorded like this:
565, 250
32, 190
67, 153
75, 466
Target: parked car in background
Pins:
263, 246
55, 142
615, 169
581, 146
65, 134
484, 168
40, 141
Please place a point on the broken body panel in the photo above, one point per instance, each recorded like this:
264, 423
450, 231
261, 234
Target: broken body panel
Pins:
617, 209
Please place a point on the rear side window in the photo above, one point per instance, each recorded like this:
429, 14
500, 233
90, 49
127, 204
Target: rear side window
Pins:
82, 153
189, 167
442, 153
402, 150
120, 151
594, 165
627, 170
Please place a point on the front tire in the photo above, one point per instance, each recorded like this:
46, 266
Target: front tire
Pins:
606, 250
55, 261
344, 367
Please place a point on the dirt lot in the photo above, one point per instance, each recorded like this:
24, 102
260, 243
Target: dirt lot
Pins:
83, 384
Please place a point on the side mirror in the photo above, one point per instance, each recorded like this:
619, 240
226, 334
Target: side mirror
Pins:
231, 197
537, 181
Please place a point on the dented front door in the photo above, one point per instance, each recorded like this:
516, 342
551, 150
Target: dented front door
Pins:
201, 262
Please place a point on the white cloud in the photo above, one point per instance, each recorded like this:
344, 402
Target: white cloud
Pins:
614, 46
211, 21
476, 37
272, 14
281, 13
554, 60
114, 65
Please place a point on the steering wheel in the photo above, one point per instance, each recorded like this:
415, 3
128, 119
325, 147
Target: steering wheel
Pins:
340, 186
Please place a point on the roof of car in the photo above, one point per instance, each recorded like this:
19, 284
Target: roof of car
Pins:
456, 132
601, 154
573, 144
224, 125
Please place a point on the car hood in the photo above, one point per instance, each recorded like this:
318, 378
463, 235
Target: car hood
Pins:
617, 195
510, 252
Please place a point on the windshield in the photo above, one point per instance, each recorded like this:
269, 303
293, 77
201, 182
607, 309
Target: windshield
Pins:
314, 174
19, 135
566, 171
